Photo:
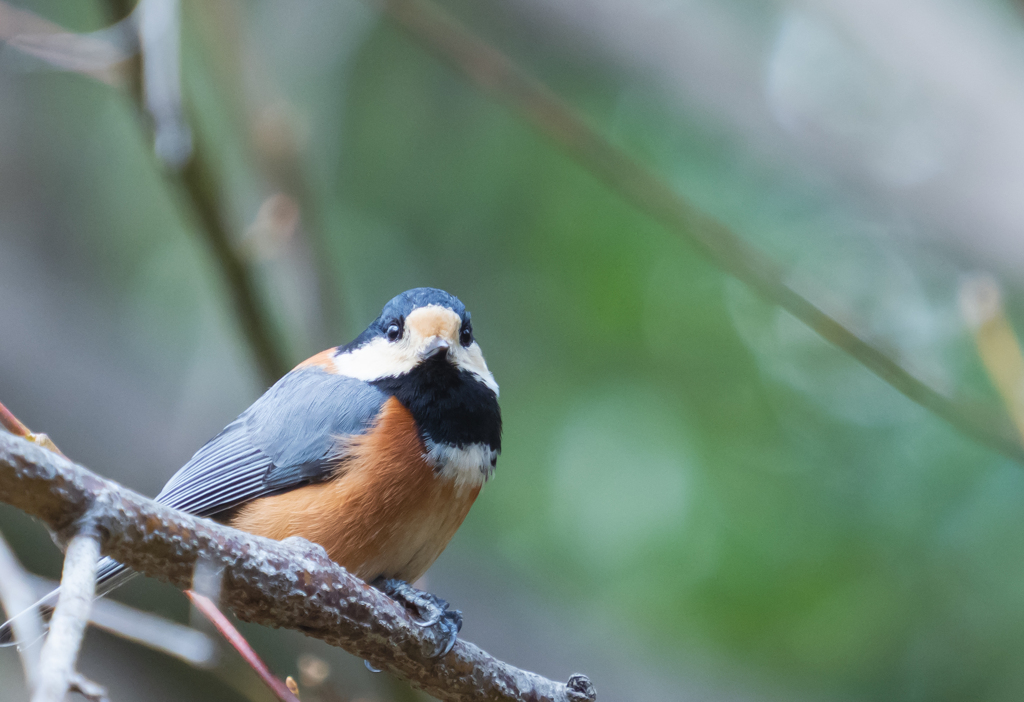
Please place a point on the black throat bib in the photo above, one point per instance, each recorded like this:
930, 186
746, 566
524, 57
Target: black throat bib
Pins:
450, 406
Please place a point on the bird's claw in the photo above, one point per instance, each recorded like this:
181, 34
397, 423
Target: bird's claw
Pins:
428, 611
451, 625
427, 623
433, 610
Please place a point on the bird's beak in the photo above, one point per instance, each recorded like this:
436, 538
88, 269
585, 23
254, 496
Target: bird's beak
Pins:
434, 347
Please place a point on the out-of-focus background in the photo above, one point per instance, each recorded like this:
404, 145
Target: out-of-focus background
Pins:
698, 498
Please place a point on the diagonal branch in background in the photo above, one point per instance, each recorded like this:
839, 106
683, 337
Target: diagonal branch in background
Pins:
273, 141
144, 628
96, 54
209, 610
290, 584
198, 189
497, 74
154, 86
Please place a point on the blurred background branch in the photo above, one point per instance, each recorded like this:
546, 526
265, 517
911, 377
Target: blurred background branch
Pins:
276, 141
199, 188
998, 346
552, 116
223, 625
17, 597
800, 530
192, 176
99, 55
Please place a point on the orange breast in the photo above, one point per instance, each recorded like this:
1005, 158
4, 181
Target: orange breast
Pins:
386, 514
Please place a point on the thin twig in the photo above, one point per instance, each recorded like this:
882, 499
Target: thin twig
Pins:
162, 635
144, 628
497, 74
197, 187
11, 423
70, 617
234, 637
94, 692
17, 598
291, 584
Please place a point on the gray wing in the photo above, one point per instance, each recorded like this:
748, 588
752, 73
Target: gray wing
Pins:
287, 438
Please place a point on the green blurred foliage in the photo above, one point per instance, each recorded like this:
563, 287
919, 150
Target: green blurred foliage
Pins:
679, 456
650, 458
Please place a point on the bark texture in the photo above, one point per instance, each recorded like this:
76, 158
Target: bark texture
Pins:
289, 584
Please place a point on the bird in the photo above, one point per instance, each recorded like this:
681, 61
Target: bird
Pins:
375, 450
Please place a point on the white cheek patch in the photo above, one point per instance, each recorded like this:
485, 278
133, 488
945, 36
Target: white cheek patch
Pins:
377, 359
468, 466
381, 358
471, 359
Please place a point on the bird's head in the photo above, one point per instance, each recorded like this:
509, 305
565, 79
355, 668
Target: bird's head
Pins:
420, 330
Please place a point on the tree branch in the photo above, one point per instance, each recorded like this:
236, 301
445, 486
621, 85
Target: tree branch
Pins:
70, 617
17, 598
549, 114
290, 584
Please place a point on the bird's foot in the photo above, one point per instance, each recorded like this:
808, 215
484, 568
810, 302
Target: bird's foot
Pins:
428, 611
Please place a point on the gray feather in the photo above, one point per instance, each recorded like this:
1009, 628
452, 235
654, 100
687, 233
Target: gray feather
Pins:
291, 436
298, 424
287, 438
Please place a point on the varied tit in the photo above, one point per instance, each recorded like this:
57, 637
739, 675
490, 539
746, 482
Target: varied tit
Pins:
375, 450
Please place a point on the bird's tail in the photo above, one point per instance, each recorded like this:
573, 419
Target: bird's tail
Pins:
109, 575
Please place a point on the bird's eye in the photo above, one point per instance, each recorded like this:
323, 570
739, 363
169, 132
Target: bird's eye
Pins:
394, 331
466, 336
